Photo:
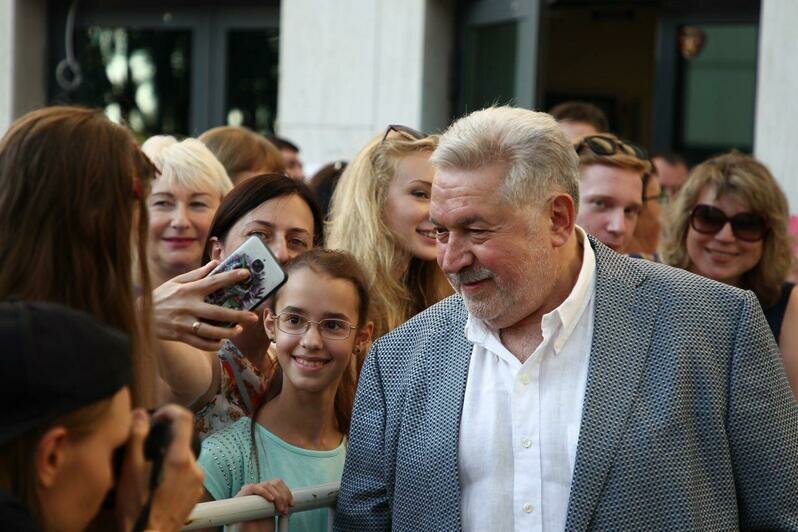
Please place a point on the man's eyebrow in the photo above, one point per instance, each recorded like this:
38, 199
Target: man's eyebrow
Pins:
462, 222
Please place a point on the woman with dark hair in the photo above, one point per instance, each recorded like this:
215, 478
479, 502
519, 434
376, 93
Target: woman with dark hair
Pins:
324, 181
72, 196
730, 223
223, 386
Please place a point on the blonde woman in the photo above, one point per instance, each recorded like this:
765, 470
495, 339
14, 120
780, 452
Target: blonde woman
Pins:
729, 223
380, 214
184, 197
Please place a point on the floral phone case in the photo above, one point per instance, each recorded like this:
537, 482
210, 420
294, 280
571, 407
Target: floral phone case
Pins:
266, 276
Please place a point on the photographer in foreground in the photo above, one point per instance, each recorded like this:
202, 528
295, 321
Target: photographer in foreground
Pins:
66, 409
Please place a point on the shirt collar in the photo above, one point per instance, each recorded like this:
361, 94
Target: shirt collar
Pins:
567, 315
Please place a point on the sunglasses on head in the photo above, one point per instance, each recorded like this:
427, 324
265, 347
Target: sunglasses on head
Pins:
409, 132
601, 145
746, 226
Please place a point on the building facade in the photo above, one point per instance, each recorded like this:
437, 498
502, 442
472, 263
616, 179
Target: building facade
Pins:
694, 77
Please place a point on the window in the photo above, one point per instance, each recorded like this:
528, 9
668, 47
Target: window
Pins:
174, 71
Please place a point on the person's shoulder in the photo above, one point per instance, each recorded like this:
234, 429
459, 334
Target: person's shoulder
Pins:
667, 282
406, 349
231, 439
674, 282
448, 314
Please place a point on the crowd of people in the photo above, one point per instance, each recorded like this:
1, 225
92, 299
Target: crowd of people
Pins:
525, 292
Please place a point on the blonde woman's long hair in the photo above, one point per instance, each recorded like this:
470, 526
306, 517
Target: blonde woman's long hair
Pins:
749, 180
356, 225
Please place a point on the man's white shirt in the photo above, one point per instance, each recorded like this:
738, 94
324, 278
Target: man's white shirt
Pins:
520, 422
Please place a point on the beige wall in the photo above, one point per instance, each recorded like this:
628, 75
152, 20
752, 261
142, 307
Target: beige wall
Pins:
776, 123
348, 68
23, 27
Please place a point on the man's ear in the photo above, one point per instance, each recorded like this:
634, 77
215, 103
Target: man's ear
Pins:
216, 248
50, 457
562, 214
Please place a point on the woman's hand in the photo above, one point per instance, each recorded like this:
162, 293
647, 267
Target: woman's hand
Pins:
179, 305
276, 492
180, 487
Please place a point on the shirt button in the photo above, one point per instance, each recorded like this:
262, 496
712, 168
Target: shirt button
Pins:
528, 508
524, 378
526, 443
558, 345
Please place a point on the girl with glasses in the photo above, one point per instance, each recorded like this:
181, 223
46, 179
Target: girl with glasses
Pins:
729, 223
380, 214
296, 437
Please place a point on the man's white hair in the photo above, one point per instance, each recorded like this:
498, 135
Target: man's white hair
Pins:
541, 159
188, 163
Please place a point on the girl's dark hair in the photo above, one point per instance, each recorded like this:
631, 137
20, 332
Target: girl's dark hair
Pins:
72, 191
254, 191
324, 181
336, 265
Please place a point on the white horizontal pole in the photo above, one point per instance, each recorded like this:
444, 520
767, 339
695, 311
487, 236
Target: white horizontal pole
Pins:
251, 507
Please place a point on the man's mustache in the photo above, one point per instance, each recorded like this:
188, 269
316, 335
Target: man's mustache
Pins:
470, 275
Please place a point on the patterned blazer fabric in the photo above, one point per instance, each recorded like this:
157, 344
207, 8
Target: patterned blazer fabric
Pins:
688, 421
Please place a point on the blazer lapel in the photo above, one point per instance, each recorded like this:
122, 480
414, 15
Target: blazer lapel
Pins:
624, 319
449, 355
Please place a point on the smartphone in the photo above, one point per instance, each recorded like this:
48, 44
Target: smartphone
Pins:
266, 276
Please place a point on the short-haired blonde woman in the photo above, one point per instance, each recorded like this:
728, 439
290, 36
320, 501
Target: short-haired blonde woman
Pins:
242, 152
184, 197
380, 214
730, 223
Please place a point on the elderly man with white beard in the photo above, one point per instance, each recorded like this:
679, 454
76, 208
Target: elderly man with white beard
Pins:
564, 386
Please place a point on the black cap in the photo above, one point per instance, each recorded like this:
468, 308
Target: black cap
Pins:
55, 360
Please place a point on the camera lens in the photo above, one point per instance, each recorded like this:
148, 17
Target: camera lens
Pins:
257, 265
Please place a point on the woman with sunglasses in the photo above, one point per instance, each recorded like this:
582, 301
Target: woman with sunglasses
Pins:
729, 223
380, 214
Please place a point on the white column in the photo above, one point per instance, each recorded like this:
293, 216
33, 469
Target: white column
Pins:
23, 60
348, 68
6, 63
777, 95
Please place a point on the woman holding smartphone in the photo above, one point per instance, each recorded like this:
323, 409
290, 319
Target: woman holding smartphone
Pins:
223, 386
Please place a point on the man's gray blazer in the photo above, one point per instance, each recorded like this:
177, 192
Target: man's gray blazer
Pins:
688, 421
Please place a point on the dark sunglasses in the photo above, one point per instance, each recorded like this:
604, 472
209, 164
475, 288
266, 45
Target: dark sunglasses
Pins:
601, 145
747, 226
409, 132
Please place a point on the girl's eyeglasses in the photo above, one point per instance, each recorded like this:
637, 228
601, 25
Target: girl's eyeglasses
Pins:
330, 328
747, 226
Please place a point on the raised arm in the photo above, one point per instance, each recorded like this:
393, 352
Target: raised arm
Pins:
762, 424
184, 338
363, 498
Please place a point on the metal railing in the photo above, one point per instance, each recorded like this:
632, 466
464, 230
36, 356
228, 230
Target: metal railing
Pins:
251, 507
